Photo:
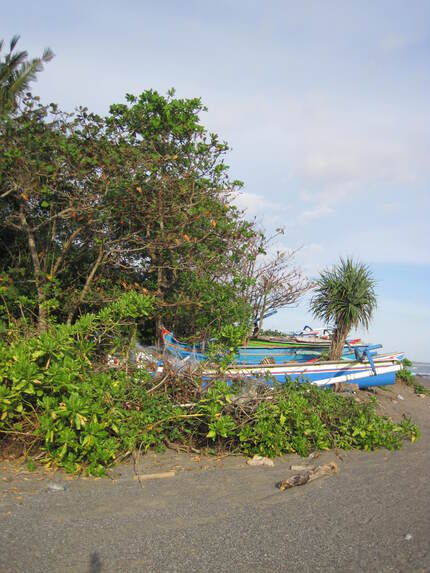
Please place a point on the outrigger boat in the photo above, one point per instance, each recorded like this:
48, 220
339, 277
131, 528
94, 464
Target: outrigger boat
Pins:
365, 369
318, 339
253, 354
369, 371
317, 343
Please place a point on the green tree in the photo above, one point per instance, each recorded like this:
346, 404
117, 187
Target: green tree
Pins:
176, 204
52, 207
140, 199
345, 297
16, 74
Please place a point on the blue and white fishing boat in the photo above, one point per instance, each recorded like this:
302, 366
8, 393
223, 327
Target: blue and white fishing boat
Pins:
243, 355
369, 371
252, 354
365, 369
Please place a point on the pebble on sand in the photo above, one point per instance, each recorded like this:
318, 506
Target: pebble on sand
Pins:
260, 461
52, 486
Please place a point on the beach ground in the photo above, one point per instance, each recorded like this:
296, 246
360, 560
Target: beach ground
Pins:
219, 514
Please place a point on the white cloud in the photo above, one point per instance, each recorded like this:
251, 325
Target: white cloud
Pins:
253, 204
317, 213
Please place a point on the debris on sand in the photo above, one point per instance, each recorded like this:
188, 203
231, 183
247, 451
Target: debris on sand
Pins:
302, 468
53, 486
307, 476
161, 475
345, 387
260, 461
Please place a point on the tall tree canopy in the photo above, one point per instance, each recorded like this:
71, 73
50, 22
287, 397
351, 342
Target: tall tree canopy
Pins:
139, 199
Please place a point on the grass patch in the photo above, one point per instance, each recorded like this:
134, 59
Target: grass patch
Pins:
407, 377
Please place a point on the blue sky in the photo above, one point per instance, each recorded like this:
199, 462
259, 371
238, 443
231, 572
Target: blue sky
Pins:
325, 104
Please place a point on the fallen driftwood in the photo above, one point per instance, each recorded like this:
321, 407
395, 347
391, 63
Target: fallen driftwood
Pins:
302, 468
160, 475
307, 476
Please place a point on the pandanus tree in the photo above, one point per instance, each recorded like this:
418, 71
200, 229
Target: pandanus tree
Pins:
16, 74
344, 297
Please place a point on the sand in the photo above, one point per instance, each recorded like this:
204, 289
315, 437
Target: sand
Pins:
220, 514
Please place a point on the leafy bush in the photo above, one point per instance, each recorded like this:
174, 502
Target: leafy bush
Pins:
53, 387
57, 391
294, 418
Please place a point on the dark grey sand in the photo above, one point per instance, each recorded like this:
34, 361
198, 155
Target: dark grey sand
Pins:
222, 515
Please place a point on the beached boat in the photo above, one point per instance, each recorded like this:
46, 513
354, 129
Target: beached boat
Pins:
317, 343
254, 354
309, 331
370, 371
367, 369
243, 355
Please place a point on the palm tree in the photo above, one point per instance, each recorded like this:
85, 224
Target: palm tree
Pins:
16, 74
345, 297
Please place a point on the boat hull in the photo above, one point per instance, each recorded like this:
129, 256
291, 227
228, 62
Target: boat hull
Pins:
382, 373
253, 355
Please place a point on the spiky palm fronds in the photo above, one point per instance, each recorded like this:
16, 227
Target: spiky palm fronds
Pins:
17, 72
345, 296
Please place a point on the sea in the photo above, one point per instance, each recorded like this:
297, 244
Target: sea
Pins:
421, 368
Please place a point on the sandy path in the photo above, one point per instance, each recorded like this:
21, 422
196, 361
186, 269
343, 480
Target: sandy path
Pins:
222, 515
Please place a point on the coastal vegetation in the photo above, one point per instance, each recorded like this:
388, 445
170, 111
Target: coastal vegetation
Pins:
344, 296
140, 199
61, 400
408, 377
112, 226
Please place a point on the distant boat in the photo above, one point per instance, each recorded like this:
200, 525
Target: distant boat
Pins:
311, 342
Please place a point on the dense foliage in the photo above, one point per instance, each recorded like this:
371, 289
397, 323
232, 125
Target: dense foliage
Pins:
139, 200
296, 418
54, 386
59, 393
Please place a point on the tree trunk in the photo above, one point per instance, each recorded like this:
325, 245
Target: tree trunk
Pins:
338, 342
262, 311
158, 259
55, 266
87, 285
42, 318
